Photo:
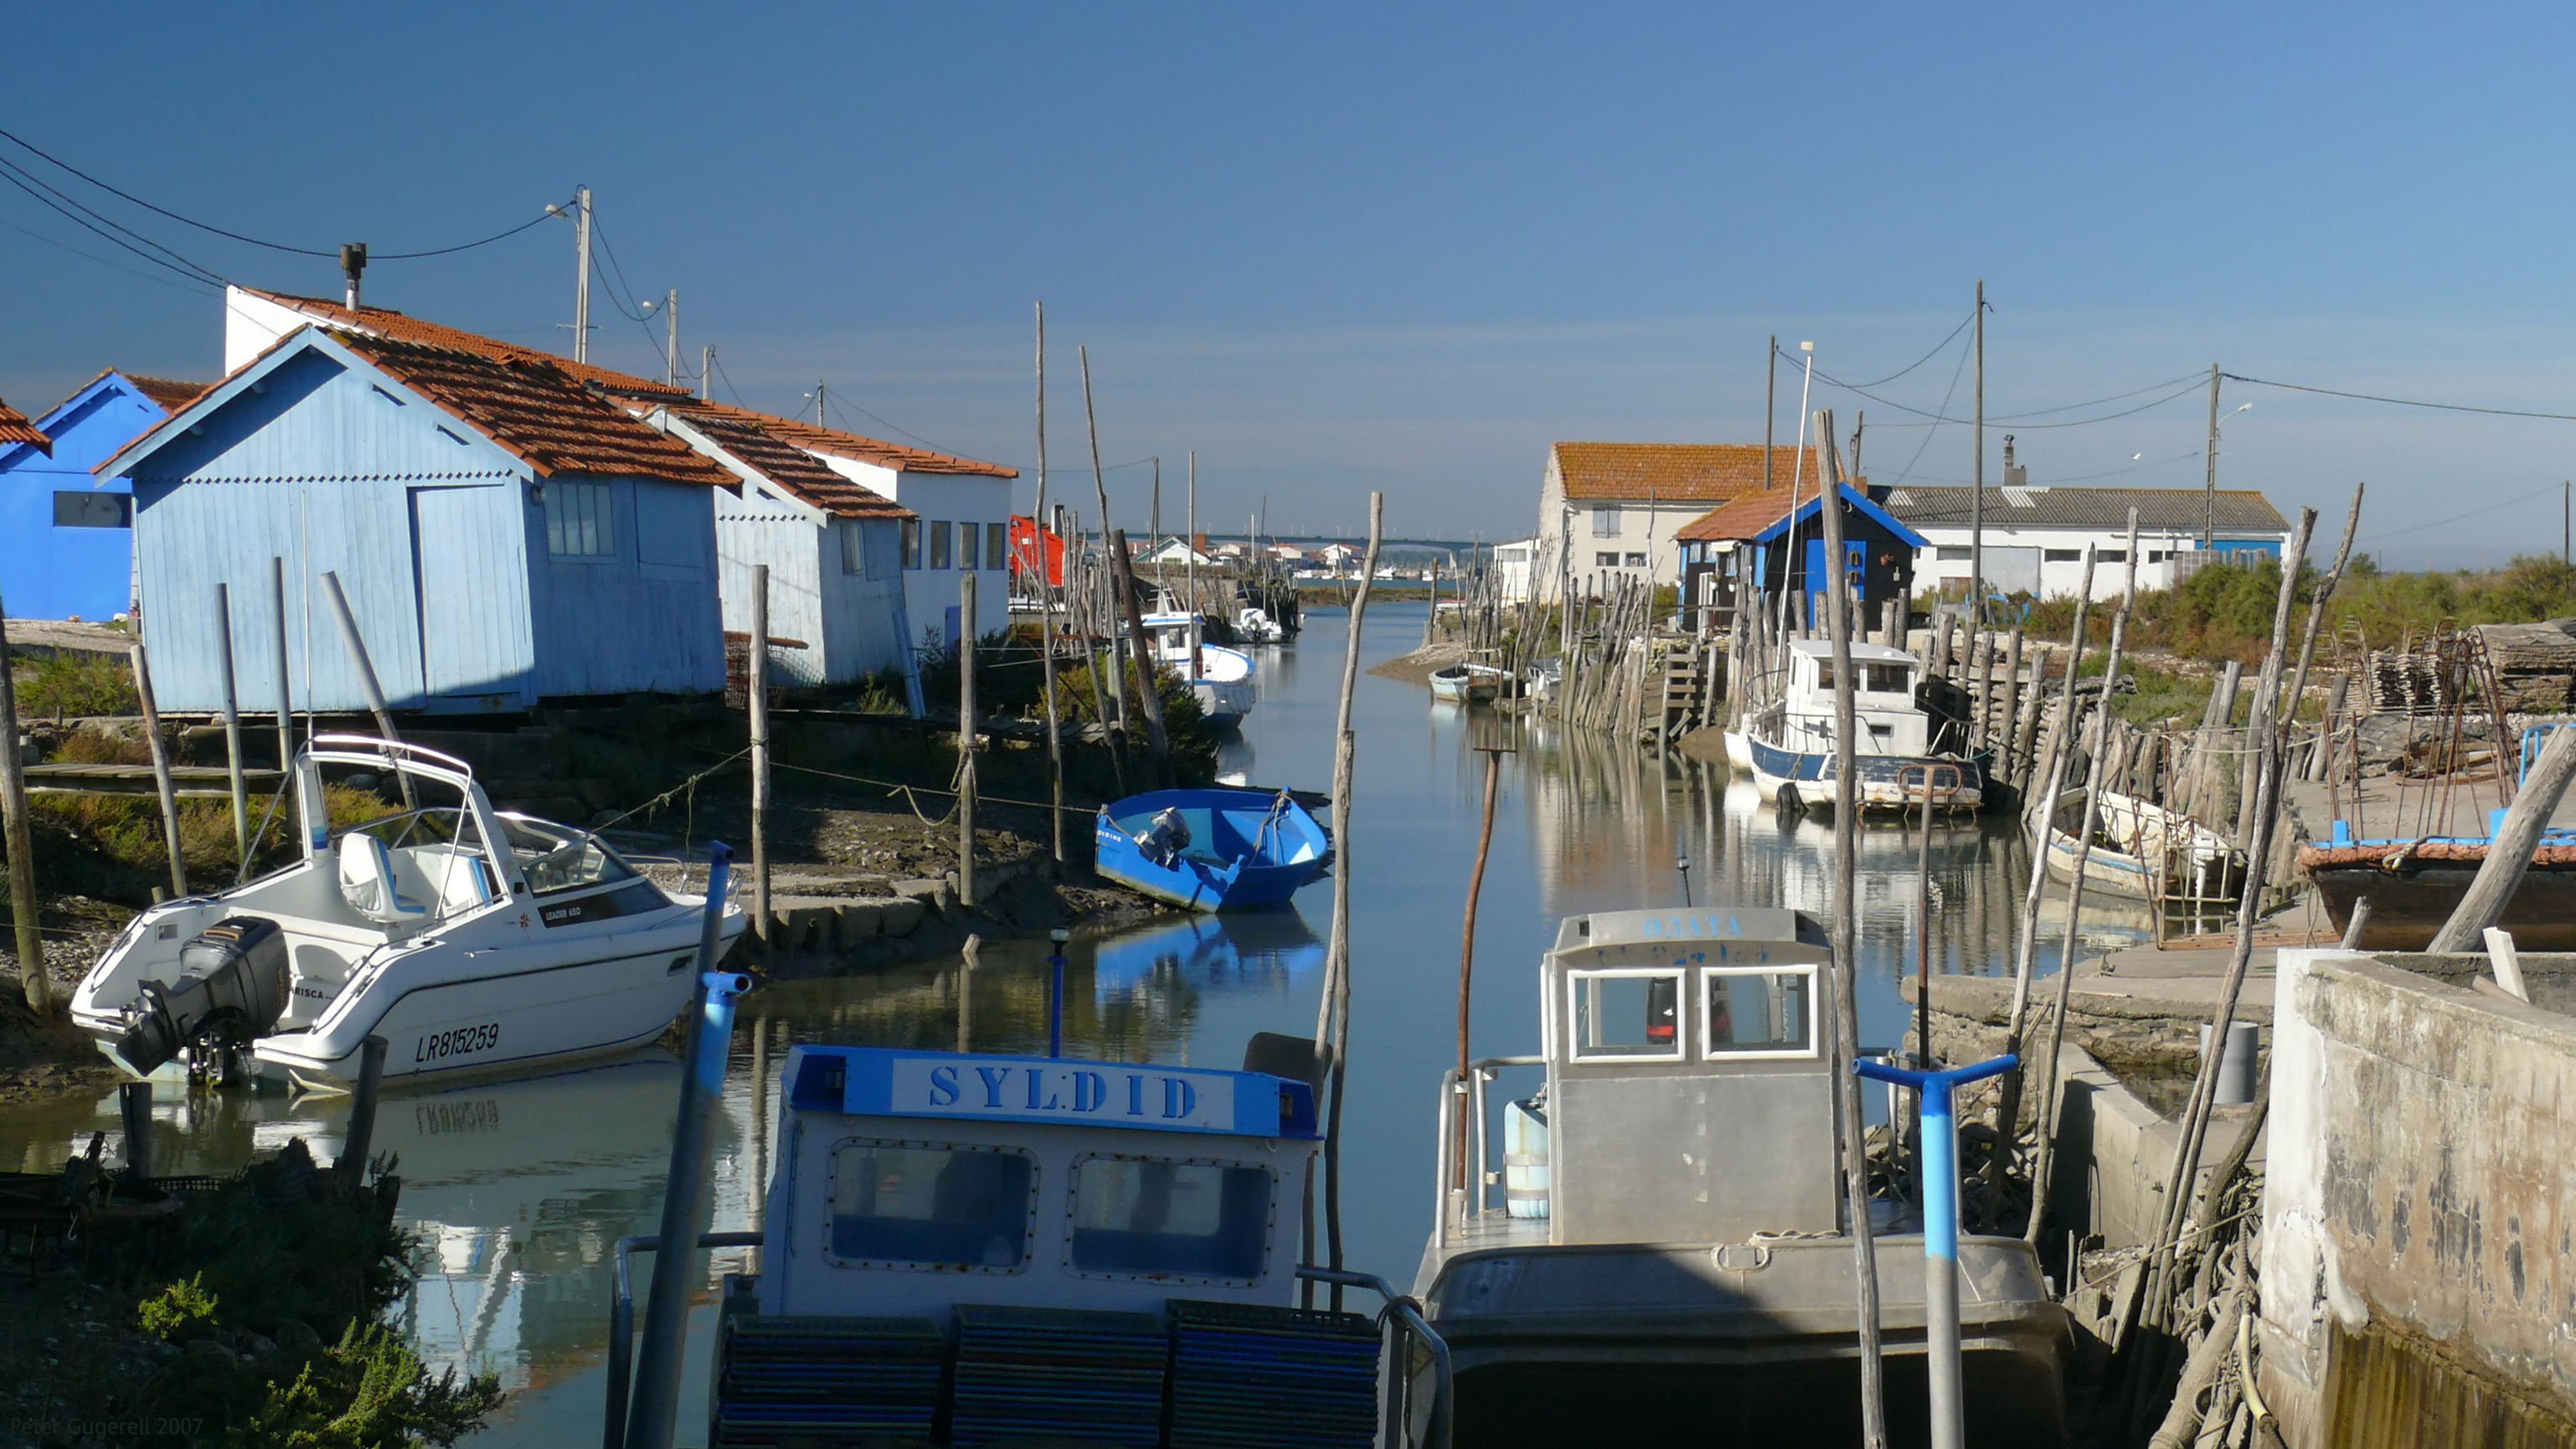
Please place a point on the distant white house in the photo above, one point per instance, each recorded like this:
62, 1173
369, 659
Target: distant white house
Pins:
1177, 552
1285, 552
1512, 565
2034, 537
1230, 551
1337, 556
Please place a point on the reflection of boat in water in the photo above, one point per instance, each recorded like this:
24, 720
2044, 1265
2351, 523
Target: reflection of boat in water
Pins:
1209, 950
1210, 850
1667, 1250
469, 940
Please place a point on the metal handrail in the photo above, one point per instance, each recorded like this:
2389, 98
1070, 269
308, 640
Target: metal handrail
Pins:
1394, 1423
621, 1321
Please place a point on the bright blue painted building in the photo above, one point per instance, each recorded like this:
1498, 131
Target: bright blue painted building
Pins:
70, 533
503, 533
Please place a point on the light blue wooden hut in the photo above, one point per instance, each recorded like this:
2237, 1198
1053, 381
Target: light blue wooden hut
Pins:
70, 549
834, 548
504, 533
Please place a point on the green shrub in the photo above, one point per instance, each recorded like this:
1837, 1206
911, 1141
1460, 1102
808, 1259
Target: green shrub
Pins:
179, 1310
370, 1391
76, 682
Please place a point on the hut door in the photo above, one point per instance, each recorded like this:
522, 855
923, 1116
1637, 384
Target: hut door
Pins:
1816, 574
467, 547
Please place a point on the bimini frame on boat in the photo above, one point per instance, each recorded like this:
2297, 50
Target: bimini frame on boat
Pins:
1671, 1255
468, 939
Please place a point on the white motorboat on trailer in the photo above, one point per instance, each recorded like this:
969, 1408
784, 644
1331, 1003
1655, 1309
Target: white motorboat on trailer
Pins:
469, 940
1222, 678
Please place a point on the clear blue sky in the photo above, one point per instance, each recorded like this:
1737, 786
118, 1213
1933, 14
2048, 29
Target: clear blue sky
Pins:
1345, 248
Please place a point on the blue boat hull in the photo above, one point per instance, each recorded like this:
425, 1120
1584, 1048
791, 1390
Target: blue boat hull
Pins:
1248, 848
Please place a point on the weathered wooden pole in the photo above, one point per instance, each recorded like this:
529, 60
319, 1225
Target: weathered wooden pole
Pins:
1148, 685
2010, 723
232, 726
966, 741
1108, 616
756, 676
1467, 945
1846, 930
285, 675
160, 770
22, 850
1333, 1019
367, 681
1046, 621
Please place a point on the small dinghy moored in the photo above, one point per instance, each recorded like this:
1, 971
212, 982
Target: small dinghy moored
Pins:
1211, 850
1468, 683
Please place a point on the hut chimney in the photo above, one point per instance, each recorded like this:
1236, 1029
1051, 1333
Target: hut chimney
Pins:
353, 260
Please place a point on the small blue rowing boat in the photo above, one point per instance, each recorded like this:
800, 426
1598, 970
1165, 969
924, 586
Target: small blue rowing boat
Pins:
1211, 850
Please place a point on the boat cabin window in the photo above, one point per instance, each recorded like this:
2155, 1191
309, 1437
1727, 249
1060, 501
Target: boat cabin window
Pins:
1626, 1015
1869, 677
1154, 1217
555, 859
931, 1205
1759, 1012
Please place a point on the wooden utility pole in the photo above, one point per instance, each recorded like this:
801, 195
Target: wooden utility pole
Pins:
1846, 943
581, 280
232, 727
756, 675
22, 850
1046, 617
706, 372
1977, 494
1100, 482
1190, 560
1149, 694
160, 769
2209, 490
1770, 412
966, 741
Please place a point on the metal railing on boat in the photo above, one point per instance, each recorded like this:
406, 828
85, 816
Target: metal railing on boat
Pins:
1395, 1402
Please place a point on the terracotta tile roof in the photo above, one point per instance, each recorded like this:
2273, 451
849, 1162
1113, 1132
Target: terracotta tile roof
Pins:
538, 412
861, 449
1684, 472
2160, 510
14, 428
1748, 516
385, 322
754, 443
172, 395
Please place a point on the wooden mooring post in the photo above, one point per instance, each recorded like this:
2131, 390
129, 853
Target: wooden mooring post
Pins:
1046, 614
22, 851
756, 678
232, 725
367, 680
966, 739
285, 675
1333, 1013
160, 770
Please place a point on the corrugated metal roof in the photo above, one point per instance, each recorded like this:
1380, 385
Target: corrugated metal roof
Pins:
754, 443
2163, 510
14, 428
1681, 472
537, 412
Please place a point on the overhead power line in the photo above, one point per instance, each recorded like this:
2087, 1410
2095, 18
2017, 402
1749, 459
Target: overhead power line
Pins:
2402, 402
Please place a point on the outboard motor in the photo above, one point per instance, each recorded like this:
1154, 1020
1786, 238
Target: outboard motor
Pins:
232, 987
1165, 839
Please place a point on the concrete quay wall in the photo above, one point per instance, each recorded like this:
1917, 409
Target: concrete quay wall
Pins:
2419, 1214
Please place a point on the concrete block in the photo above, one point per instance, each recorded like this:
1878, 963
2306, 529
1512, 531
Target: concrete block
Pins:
860, 922
928, 892
902, 915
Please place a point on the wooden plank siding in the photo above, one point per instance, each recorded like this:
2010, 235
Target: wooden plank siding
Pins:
849, 621
439, 543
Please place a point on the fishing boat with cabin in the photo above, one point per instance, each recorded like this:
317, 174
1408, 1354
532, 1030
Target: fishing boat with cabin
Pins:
469, 939
1220, 679
1667, 1258
1912, 737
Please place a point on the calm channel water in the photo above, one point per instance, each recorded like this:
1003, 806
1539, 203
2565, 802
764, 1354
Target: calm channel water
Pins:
518, 1191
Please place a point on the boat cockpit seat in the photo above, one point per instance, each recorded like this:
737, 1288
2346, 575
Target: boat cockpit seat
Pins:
458, 879
367, 882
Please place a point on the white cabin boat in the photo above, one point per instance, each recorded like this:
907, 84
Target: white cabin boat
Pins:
1221, 679
1662, 1254
471, 941
1789, 747
2144, 852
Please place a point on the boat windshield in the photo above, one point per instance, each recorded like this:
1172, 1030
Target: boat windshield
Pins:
555, 858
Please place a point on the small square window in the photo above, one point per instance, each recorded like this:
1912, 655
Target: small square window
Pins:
970, 544
1605, 560
2111, 555
997, 547
938, 544
854, 553
1625, 1015
1951, 553
2061, 555
1636, 560
581, 520
1754, 1012
912, 543
82, 508
1605, 523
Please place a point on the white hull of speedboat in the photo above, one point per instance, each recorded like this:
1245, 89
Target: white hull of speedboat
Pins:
547, 951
